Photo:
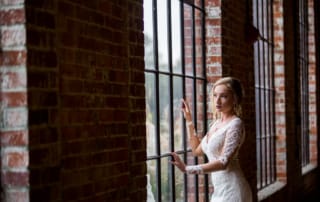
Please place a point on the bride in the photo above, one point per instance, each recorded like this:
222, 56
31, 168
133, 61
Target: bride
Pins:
221, 144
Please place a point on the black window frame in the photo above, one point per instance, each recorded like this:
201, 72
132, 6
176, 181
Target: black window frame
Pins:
196, 78
265, 93
302, 77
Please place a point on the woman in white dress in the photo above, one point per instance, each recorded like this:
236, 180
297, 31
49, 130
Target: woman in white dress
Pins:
221, 144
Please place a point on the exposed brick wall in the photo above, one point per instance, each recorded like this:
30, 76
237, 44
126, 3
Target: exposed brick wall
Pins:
73, 101
13, 102
86, 100
279, 74
312, 84
213, 42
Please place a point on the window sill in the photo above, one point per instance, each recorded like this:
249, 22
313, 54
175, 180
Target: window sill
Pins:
269, 190
308, 168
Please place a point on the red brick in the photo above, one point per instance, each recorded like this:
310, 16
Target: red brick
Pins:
12, 16
14, 99
14, 138
12, 178
13, 58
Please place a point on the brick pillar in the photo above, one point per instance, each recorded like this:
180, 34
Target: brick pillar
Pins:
280, 91
312, 86
213, 42
13, 102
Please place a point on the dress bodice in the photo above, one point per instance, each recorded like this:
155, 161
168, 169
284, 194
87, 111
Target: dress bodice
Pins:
223, 144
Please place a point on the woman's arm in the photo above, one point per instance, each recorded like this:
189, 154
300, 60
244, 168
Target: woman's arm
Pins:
193, 138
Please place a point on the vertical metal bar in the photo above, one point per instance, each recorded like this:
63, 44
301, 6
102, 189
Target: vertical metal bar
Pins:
185, 145
265, 135
194, 93
265, 132
307, 80
269, 89
171, 107
267, 16
204, 88
273, 95
156, 59
258, 86
301, 83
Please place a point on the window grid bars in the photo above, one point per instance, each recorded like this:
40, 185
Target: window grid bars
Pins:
303, 80
157, 72
265, 94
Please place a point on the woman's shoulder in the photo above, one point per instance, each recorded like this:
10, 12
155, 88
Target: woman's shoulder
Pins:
236, 122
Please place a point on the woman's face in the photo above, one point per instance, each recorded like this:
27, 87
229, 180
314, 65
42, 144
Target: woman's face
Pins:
223, 99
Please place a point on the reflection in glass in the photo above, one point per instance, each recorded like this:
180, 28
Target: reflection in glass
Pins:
148, 36
152, 189
163, 35
198, 44
177, 115
151, 114
165, 176
164, 113
188, 39
179, 184
200, 106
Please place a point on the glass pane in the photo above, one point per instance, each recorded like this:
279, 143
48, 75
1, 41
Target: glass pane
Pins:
178, 117
164, 100
165, 180
152, 188
188, 39
176, 36
199, 46
151, 113
189, 92
200, 107
179, 186
148, 35
163, 35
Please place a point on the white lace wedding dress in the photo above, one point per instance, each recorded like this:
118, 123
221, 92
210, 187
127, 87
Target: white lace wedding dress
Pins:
223, 144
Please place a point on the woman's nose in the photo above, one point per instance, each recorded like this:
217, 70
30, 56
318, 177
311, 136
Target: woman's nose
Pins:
218, 100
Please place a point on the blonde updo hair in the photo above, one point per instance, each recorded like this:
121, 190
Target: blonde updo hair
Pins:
234, 85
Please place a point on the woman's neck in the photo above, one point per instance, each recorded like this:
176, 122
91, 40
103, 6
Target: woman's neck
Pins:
226, 116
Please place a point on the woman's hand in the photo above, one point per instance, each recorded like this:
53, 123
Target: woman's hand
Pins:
186, 110
178, 162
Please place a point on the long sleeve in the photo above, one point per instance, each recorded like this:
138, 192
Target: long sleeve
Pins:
233, 140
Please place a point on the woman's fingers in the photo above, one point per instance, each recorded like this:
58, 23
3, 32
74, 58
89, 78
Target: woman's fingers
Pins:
176, 158
185, 106
177, 161
186, 110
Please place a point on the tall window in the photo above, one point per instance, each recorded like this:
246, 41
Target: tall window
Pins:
174, 69
264, 93
303, 78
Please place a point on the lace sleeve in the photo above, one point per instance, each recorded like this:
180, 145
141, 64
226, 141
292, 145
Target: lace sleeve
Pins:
232, 142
